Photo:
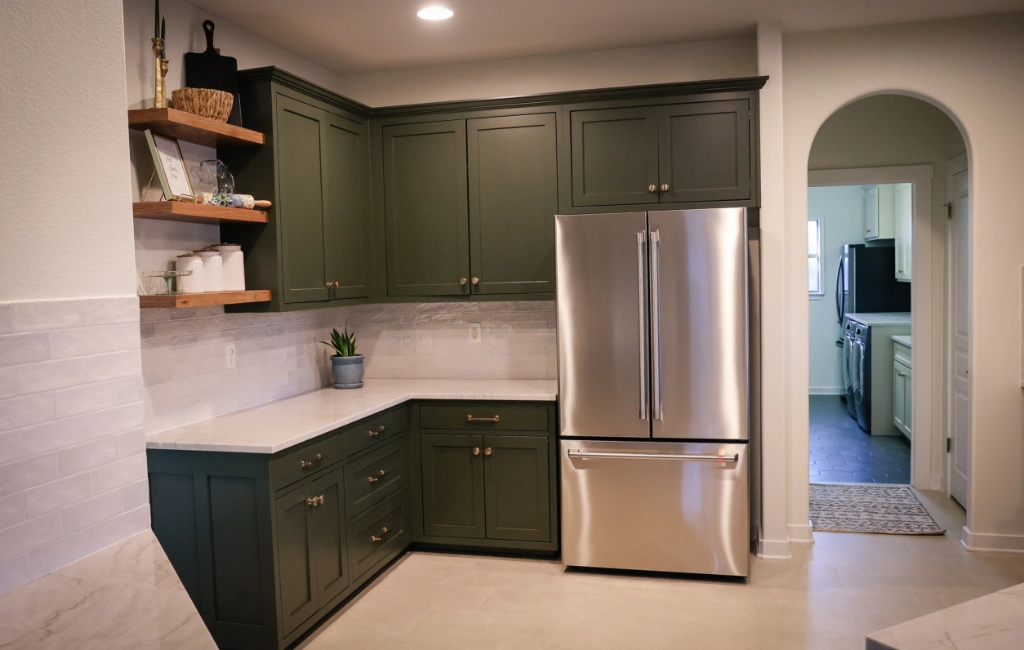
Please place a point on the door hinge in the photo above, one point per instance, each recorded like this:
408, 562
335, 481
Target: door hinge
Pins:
949, 445
949, 210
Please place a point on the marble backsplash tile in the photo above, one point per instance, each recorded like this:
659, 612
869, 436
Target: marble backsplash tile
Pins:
278, 355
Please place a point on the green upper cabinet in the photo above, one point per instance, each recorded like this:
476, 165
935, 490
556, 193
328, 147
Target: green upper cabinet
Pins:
300, 199
679, 154
316, 249
513, 199
704, 152
346, 233
614, 156
426, 209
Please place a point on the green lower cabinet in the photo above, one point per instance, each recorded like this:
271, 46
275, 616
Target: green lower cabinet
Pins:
295, 559
453, 486
517, 488
496, 489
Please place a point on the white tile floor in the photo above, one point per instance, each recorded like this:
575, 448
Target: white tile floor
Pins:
829, 596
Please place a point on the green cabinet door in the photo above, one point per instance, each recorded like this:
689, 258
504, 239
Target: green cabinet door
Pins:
346, 234
704, 151
426, 212
329, 536
517, 488
300, 140
614, 156
453, 485
513, 198
296, 566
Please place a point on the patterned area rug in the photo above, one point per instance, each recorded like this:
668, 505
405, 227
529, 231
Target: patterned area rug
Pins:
891, 510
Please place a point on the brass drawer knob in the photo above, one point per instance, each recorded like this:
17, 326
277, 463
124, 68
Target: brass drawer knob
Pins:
652, 188
462, 281
664, 188
470, 418
310, 463
488, 451
476, 451
476, 280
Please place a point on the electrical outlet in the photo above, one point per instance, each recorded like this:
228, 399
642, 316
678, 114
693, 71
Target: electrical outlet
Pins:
229, 355
474, 333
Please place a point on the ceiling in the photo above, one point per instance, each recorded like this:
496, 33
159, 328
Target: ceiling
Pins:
349, 36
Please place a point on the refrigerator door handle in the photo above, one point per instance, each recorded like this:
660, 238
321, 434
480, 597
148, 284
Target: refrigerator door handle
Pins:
576, 453
656, 323
641, 242
839, 289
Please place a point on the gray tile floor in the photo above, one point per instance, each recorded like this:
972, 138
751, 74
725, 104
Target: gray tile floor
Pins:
842, 452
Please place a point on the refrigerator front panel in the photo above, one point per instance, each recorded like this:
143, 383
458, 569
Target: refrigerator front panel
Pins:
602, 325
698, 278
655, 506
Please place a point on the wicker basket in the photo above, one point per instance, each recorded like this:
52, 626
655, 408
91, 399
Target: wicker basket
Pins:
206, 102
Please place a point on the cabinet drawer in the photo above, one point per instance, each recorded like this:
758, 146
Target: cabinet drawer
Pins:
376, 429
382, 530
306, 461
485, 417
375, 476
901, 353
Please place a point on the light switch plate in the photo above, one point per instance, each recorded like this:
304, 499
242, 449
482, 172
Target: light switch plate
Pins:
229, 356
475, 333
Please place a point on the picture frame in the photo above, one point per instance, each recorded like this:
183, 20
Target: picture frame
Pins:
170, 168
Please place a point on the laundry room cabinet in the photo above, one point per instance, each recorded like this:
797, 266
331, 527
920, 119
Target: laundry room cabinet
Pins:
902, 383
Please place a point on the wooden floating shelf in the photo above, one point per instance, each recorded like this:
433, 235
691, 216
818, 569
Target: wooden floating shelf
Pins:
192, 128
180, 301
195, 212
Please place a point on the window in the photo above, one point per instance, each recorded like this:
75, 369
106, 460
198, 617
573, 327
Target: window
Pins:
815, 243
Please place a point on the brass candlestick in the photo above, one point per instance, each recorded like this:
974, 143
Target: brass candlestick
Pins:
161, 73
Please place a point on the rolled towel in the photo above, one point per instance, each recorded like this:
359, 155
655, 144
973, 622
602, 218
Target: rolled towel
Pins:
232, 200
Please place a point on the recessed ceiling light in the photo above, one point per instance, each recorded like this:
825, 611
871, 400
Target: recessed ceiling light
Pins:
435, 13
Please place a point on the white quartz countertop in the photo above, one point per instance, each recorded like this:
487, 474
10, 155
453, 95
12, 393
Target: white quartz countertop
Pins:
902, 339
125, 596
882, 319
992, 622
274, 427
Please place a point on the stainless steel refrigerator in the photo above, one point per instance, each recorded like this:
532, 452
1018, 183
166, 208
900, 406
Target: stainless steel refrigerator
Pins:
654, 390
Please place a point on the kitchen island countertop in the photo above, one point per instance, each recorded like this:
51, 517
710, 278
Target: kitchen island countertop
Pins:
274, 427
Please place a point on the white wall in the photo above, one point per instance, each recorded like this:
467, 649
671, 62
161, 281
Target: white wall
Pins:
970, 68
66, 227
633, 66
841, 210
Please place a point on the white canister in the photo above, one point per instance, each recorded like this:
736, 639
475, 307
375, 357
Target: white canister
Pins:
234, 269
189, 283
213, 270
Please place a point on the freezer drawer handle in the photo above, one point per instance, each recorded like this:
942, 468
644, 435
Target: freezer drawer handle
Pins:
576, 453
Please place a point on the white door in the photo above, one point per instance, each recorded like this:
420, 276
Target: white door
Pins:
958, 366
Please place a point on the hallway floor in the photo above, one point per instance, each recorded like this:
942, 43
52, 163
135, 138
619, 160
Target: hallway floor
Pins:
829, 596
842, 453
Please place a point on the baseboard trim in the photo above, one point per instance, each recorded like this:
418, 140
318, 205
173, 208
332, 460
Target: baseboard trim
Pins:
988, 543
800, 533
772, 549
825, 390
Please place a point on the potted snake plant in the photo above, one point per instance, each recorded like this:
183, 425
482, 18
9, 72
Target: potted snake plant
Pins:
346, 365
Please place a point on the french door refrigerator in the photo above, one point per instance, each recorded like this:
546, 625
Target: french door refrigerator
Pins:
653, 390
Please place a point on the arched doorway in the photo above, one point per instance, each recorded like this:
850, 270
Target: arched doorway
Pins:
880, 264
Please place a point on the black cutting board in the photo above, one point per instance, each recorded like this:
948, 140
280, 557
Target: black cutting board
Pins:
211, 70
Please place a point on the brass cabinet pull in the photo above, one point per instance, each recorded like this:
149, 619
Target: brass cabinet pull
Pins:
383, 531
381, 429
652, 188
664, 188
488, 451
315, 501
374, 479
310, 463
476, 451
470, 418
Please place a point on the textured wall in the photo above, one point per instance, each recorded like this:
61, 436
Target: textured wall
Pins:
186, 378
72, 447
66, 228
